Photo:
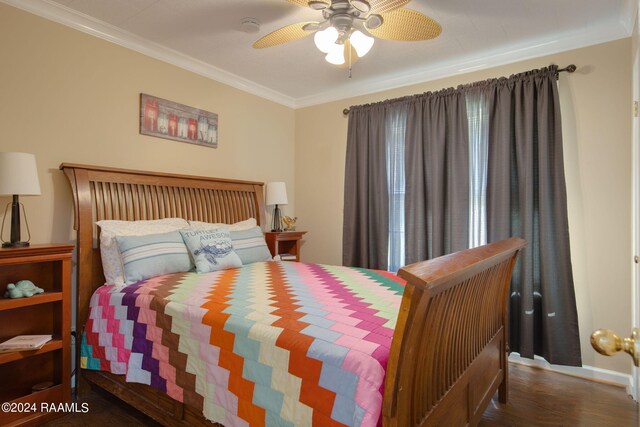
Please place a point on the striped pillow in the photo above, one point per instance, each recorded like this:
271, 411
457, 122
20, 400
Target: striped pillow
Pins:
250, 245
153, 255
109, 229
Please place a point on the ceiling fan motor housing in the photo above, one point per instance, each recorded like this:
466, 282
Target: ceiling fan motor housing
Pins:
340, 5
342, 22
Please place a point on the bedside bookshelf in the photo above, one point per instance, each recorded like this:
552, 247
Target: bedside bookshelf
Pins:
48, 267
8, 304
285, 243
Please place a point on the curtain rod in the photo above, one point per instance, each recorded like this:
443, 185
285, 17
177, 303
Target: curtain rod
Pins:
569, 69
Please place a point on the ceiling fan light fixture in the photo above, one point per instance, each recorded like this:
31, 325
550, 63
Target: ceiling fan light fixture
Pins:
336, 55
326, 39
361, 43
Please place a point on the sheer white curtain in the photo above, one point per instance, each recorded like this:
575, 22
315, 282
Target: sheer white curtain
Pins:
478, 119
396, 122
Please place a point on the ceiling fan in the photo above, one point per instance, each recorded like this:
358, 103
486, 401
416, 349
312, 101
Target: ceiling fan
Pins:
346, 30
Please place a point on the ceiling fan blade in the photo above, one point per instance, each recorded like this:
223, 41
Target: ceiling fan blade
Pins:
383, 6
284, 35
406, 25
305, 3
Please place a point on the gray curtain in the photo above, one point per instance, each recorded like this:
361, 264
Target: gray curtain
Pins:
524, 193
526, 197
437, 176
365, 238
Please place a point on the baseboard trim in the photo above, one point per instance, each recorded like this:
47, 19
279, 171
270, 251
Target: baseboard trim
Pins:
585, 371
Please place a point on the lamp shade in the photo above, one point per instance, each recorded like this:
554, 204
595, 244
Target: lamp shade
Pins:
18, 174
361, 43
276, 193
326, 39
336, 55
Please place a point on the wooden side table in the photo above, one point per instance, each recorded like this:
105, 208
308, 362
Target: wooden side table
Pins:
285, 243
48, 267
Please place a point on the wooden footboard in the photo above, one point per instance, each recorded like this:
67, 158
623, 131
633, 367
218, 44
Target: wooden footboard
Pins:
448, 355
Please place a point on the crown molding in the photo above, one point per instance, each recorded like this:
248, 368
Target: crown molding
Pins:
479, 61
476, 62
81, 22
628, 13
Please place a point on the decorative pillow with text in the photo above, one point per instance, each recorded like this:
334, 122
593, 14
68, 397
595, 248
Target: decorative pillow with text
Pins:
211, 250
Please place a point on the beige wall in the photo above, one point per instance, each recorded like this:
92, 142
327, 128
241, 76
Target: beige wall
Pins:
68, 97
597, 136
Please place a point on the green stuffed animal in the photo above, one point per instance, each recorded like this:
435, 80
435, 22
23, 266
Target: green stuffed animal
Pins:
24, 288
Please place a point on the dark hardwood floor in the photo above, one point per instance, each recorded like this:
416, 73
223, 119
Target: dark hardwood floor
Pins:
543, 398
537, 398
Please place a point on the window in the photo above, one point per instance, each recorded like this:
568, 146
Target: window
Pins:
395, 146
396, 120
478, 119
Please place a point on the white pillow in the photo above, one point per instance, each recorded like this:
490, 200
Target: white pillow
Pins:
238, 226
109, 229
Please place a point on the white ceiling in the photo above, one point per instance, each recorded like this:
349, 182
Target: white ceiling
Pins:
204, 36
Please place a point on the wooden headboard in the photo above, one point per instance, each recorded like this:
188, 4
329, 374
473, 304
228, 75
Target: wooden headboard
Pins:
101, 193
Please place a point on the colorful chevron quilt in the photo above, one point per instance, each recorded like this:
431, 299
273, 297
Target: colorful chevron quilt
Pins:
270, 343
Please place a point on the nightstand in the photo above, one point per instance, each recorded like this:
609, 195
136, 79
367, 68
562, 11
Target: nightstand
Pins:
285, 243
48, 267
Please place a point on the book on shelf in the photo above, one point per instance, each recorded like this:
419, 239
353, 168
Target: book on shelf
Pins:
24, 343
287, 257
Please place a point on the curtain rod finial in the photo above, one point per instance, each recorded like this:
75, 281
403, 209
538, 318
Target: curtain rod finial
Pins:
569, 69
345, 111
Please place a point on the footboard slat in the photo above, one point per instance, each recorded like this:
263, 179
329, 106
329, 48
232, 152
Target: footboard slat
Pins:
448, 352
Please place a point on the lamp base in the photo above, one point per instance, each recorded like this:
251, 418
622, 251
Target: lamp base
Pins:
277, 220
15, 244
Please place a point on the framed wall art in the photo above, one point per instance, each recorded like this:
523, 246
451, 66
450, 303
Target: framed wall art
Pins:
167, 119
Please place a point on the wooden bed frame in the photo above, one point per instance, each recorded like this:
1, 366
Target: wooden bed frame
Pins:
448, 355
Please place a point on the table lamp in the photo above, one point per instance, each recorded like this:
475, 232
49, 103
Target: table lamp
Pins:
276, 195
18, 177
